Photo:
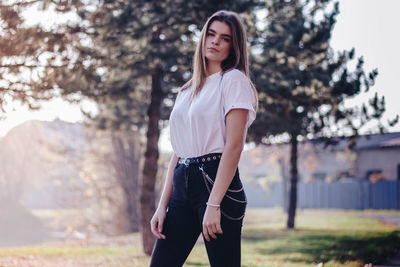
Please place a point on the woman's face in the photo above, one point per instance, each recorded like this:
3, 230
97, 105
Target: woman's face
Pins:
218, 42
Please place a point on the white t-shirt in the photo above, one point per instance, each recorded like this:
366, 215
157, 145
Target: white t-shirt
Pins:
198, 128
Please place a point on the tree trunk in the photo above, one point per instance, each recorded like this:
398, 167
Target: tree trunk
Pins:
132, 211
133, 182
293, 182
150, 163
126, 164
284, 184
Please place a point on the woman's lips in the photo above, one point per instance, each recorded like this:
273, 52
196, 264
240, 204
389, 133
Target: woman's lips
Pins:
212, 49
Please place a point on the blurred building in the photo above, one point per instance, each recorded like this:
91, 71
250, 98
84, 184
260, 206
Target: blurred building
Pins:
326, 172
373, 157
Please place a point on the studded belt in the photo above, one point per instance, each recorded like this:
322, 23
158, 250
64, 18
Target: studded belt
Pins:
201, 159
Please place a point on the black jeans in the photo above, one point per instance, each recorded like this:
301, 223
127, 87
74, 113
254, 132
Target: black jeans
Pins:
183, 224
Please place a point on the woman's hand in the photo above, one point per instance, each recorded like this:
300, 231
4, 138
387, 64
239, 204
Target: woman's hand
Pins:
212, 222
157, 222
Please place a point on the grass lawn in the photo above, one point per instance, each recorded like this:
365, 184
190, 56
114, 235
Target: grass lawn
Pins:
331, 237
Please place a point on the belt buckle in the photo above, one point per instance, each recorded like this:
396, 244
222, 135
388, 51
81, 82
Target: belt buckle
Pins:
186, 161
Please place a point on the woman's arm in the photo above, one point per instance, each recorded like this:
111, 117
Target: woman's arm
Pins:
235, 129
157, 221
167, 190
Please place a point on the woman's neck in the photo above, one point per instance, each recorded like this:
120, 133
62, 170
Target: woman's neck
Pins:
213, 68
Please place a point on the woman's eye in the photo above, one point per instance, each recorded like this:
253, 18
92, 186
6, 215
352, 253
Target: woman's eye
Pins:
210, 34
226, 39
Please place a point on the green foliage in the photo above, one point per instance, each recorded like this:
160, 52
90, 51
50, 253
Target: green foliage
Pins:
302, 82
22, 57
119, 46
108, 55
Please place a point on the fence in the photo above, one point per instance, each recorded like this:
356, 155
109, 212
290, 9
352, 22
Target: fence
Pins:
344, 194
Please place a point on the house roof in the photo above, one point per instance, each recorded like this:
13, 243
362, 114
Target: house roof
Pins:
371, 141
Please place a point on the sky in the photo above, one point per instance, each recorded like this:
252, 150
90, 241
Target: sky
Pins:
370, 26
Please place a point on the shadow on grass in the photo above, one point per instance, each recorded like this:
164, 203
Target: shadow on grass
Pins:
194, 264
324, 246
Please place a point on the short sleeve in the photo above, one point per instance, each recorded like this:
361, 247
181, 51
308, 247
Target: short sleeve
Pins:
238, 94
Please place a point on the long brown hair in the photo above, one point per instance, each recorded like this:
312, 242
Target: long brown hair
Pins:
237, 58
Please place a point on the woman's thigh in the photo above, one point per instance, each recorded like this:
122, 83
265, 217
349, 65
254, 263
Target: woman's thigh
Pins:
181, 228
226, 249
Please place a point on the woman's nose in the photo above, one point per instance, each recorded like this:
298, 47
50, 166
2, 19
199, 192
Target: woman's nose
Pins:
215, 40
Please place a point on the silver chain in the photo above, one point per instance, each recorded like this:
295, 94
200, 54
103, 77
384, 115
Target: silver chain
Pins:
207, 177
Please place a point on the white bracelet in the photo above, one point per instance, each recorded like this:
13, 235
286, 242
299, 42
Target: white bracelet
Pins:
212, 205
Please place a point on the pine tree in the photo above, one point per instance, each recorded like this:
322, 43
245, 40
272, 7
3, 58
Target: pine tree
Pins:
21, 65
303, 83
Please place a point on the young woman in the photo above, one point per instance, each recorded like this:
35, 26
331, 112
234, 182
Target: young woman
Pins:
208, 126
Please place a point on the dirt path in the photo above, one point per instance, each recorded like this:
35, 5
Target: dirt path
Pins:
393, 219
40, 261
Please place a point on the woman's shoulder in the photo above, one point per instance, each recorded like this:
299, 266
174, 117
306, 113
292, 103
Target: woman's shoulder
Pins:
235, 74
185, 87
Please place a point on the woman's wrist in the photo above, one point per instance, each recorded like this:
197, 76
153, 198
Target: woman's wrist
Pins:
212, 205
162, 206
